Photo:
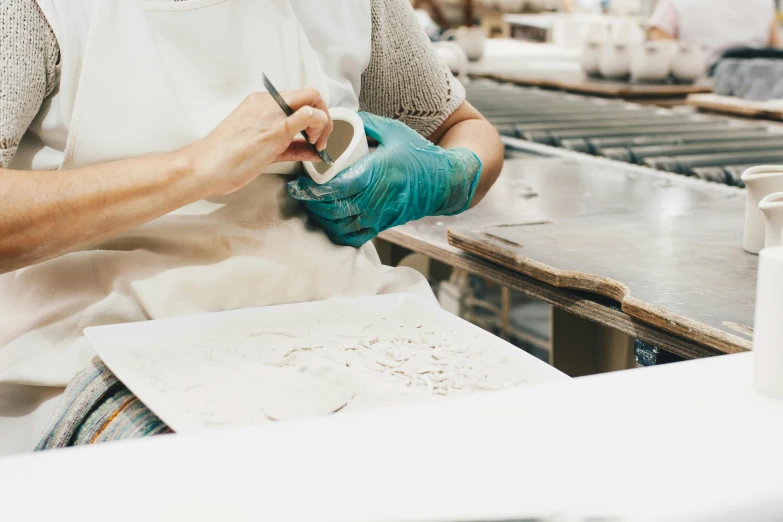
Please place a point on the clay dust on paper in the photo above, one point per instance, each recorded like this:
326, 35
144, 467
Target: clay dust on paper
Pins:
332, 358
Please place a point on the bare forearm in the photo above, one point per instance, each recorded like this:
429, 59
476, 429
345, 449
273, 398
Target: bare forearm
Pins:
653, 33
774, 34
472, 131
47, 213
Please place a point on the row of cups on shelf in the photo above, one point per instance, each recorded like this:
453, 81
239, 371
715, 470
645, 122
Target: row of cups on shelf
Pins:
515, 6
617, 52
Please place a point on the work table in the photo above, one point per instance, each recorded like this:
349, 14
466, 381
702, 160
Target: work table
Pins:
568, 210
688, 441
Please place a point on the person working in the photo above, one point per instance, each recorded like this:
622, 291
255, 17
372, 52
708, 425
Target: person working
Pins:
717, 25
132, 137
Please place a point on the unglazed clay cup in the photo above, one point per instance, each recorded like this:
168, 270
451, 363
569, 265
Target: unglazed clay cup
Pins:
651, 61
471, 39
615, 59
624, 31
689, 62
760, 182
590, 60
347, 144
592, 48
595, 33
767, 326
772, 208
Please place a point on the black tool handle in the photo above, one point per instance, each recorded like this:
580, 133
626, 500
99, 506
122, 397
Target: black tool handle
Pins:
288, 112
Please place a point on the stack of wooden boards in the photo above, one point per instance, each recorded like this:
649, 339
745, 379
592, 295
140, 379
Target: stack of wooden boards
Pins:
712, 148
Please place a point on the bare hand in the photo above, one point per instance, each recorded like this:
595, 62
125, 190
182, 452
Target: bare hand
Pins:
255, 135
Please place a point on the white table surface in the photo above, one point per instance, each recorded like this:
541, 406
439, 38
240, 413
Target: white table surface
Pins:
687, 441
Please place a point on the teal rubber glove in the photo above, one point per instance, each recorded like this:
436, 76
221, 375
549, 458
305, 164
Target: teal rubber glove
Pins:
405, 179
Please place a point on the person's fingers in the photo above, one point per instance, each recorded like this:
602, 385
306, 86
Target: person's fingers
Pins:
357, 239
310, 96
302, 119
307, 96
320, 144
348, 226
347, 184
335, 210
348, 234
299, 150
319, 135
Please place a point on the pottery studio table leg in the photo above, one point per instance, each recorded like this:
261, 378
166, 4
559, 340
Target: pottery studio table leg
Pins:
582, 347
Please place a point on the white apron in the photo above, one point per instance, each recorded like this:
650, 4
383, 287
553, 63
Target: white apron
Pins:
153, 77
719, 25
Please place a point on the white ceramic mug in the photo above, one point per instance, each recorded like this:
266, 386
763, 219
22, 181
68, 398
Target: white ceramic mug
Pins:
347, 144
772, 208
768, 326
471, 39
760, 182
651, 61
590, 60
595, 32
622, 32
615, 59
689, 62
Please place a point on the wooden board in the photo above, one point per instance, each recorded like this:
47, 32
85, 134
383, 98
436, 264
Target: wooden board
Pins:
736, 106
669, 252
579, 82
555, 189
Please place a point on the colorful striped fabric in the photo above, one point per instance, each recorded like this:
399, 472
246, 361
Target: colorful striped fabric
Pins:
96, 407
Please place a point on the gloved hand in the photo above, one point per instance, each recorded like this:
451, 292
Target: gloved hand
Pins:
405, 179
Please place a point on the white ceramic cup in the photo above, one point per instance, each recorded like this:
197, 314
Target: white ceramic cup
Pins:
624, 32
651, 61
471, 39
760, 182
615, 59
347, 144
595, 32
590, 59
772, 208
689, 62
768, 326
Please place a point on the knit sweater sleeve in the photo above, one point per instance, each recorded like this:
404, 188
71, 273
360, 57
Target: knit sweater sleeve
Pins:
28, 61
405, 79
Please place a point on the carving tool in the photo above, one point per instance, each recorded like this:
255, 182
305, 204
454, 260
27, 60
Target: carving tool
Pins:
288, 112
